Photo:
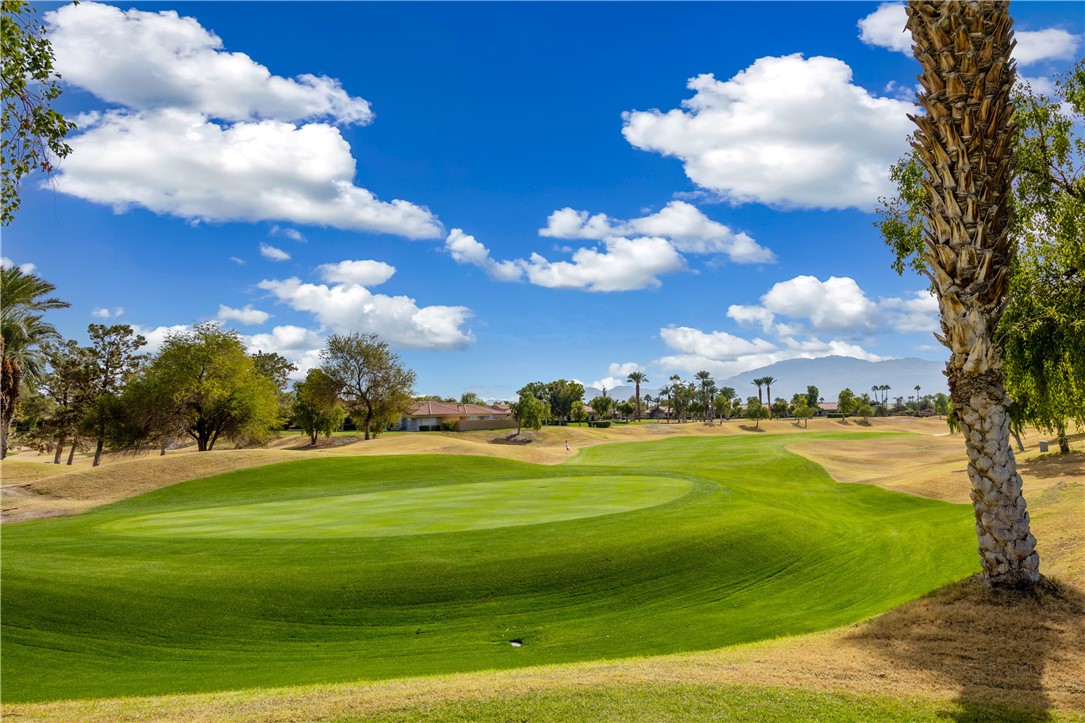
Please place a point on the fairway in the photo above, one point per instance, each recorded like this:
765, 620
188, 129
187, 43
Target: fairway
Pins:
345, 568
417, 511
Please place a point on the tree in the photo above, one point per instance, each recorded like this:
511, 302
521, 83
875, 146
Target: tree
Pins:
813, 396
562, 395
941, 404
760, 382
845, 402
756, 411
316, 406
705, 379
779, 407
803, 411
372, 382
603, 407
114, 356
472, 398
67, 384
965, 141
768, 392
627, 409
26, 298
33, 132
1042, 331
637, 378
863, 409
529, 411
205, 378
721, 405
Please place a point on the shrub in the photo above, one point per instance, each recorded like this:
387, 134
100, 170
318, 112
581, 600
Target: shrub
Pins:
448, 426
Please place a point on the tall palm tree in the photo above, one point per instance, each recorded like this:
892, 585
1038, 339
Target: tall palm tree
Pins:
964, 140
760, 382
705, 378
637, 378
22, 332
768, 392
917, 396
675, 390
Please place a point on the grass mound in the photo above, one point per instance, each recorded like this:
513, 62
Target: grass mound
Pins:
761, 544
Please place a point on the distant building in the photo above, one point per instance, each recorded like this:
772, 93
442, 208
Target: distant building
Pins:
828, 407
431, 416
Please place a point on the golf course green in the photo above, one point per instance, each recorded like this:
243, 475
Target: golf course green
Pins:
346, 568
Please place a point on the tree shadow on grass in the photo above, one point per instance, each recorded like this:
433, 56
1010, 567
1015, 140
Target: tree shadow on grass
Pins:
751, 428
993, 646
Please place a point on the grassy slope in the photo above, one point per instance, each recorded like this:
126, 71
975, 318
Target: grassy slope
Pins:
89, 613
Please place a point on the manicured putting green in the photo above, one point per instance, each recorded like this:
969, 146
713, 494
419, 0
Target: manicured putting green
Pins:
416, 511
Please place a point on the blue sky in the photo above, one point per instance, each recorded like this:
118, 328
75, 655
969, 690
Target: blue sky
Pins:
506, 192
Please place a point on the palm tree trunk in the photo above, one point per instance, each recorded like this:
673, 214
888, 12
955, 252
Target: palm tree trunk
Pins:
965, 141
10, 378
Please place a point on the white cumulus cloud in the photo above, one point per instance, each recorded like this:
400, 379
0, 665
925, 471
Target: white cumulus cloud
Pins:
158, 60
787, 131
26, 268
180, 163
209, 135
362, 273
104, 313
683, 224
246, 315
347, 307
885, 28
466, 249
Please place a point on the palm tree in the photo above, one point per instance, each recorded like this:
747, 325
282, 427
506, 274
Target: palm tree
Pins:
964, 140
705, 378
760, 381
917, 396
637, 378
675, 390
768, 392
22, 332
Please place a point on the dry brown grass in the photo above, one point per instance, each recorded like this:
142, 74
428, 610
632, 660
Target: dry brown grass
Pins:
960, 644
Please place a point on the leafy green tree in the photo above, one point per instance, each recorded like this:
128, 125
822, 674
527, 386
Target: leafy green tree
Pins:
530, 411
278, 369
603, 407
780, 407
863, 409
68, 385
756, 411
373, 384
213, 387
813, 396
115, 358
472, 398
941, 404
846, 402
33, 131
721, 405
628, 409
803, 411
23, 332
316, 406
637, 378
578, 414
562, 395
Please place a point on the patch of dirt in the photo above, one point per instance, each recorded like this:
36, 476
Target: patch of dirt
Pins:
524, 437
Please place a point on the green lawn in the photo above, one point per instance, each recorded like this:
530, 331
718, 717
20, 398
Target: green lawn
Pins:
372, 567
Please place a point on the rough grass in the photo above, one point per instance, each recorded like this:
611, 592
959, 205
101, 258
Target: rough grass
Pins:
944, 657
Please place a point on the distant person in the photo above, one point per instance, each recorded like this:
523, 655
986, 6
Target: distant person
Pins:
566, 445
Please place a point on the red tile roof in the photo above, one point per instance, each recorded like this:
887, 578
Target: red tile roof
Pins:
447, 409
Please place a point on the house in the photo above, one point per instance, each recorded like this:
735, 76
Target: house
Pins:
432, 416
658, 412
828, 408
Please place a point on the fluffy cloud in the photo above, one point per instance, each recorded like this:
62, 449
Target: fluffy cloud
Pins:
837, 304
247, 315
104, 313
25, 268
624, 370
362, 273
683, 224
156, 336
725, 355
466, 249
623, 264
180, 163
620, 264
787, 131
291, 233
275, 254
157, 60
168, 150
885, 28
347, 307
